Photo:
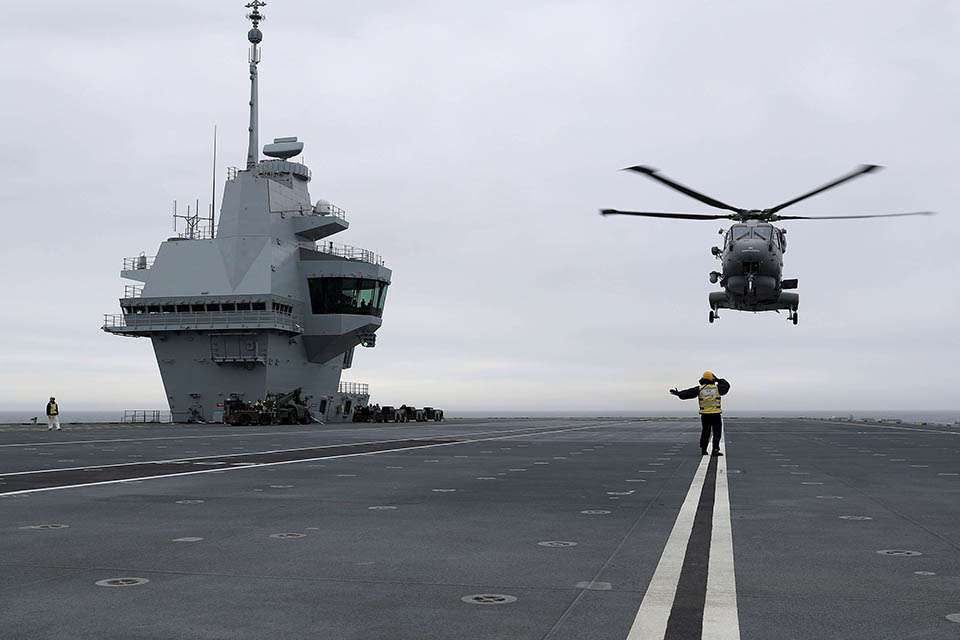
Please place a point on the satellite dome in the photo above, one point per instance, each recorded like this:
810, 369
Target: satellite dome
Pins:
255, 35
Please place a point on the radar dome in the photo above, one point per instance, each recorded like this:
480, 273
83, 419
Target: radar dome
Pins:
255, 35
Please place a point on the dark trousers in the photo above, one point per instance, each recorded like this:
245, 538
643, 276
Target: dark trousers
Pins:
710, 422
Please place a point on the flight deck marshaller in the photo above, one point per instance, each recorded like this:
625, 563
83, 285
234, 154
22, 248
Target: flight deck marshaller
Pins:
263, 301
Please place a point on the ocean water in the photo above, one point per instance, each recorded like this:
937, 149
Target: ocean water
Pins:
23, 417
932, 417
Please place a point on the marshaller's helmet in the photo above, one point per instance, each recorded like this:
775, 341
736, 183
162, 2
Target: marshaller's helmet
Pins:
707, 375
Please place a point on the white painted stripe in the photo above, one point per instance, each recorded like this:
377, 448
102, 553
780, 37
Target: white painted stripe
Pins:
316, 459
522, 432
720, 618
871, 425
654, 613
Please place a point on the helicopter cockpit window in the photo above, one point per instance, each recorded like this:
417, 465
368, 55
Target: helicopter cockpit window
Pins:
763, 233
740, 232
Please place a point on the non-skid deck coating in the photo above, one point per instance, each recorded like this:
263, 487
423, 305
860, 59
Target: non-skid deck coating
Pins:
810, 504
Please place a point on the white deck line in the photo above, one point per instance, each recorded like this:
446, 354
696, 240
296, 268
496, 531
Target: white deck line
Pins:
720, 618
654, 613
315, 459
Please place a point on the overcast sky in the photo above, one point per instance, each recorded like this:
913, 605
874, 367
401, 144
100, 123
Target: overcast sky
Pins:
472, 144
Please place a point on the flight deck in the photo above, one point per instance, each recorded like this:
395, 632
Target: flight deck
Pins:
500, 528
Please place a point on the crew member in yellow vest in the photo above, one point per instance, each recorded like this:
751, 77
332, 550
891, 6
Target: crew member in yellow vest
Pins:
708, 394
53, 414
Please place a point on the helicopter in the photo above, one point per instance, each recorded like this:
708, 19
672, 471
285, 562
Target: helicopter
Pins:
753, 248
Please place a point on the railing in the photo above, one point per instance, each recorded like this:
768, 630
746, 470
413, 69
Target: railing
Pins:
200, 232
350, 253
136, 322
327, 209
146, 415
361, 388
132, 290
138, 262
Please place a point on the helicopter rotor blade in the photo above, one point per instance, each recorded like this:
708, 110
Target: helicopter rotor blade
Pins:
655, 214
876, 215
653, 173
856, 173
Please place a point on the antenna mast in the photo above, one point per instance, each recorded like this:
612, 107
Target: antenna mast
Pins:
213, 189
255, 36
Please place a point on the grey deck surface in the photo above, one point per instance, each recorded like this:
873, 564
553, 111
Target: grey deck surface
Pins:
802, 570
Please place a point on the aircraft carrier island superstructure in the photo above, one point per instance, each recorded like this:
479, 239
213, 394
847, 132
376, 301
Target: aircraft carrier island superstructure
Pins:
263, 301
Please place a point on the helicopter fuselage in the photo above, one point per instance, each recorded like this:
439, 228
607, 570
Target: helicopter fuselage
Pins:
752, 269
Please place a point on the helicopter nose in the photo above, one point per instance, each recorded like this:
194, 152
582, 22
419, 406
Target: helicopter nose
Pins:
751, 250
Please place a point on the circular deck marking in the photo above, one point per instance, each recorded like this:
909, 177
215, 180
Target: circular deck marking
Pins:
516, 469
790, 466
394, 467
830, 497
656, 464
489, 598
189, 501
635, 480
486, 478
595, 512
187, 539
288, 536
557, 543
442, 490
898, 459
619, 493
281, 486
898, 552
855, 518
381, 507
920, 466
431, 461
541, 463
47, 526
646, 470
121, 582
799, 473
925, 573
948, 474
811, 483
346, 475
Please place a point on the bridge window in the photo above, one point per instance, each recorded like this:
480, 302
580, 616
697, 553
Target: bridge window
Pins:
357, 296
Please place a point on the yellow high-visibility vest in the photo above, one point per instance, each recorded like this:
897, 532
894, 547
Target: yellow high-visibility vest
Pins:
709, 398
53, 409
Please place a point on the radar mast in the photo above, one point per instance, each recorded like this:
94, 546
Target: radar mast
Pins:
255, 36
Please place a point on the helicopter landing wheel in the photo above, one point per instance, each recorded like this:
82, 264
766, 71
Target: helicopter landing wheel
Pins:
793, 317
712, 316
